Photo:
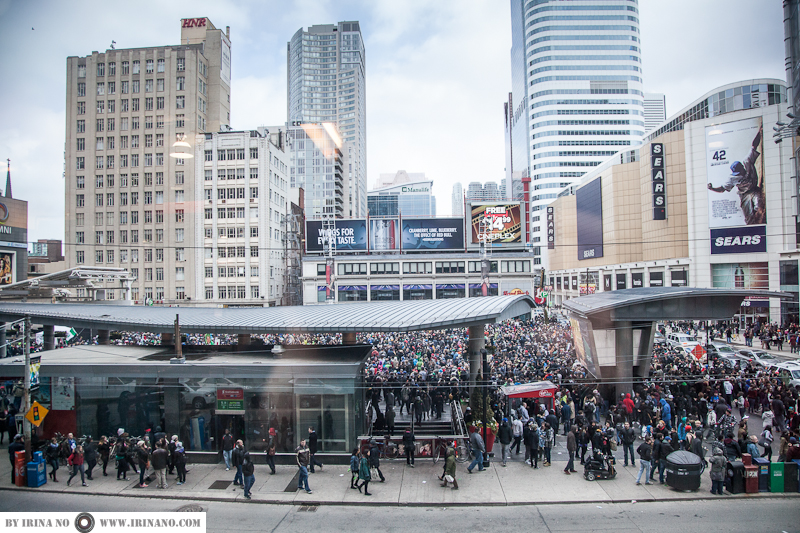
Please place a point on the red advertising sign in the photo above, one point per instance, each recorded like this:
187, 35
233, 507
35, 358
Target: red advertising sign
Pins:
230, 394
194, 23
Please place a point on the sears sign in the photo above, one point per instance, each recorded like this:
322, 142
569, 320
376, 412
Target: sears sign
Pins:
745, 239
657, 165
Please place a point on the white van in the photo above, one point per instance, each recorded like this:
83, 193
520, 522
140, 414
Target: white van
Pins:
681, 340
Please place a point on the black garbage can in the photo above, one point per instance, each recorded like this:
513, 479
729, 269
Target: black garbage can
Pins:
684, 470
734, 477
790, 477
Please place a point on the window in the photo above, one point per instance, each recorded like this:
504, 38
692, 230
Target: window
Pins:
160, 163
81, 108
101, 105
110, 143
253, 153
159, 178
80, 182
101, 69
179, 234
159, 274
135, 196
98, 181
134, 236
101, 88
148, 219
123, 256
179, 215
148, 160
111, 124
475, 267
179, 254
160, 122
159, 216
98, 237
148, 68
384, 268
123, 180
180, 83
81, 71
79, 257
79, 219
81, 89
515, 266
179, 196
148, 104
110, 161
160, 66
254, 251
180, 102
80, 126
123, 234
112, 88
148, 255
110, 199
160, 88
417, 268
99, 124
352, 269
136, 67
253, 173
80, 163
98, 200
240, 153
179, 121
208, 214
125, 89
181, 64
110, 237
135, 90
79, 237
135, 141
112, 69
98, 219
148, 274
81, 144
148, 86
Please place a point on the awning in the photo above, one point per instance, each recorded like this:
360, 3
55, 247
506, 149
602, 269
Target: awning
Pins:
479, 285
450, 286
352, 287
539, 389
417, 287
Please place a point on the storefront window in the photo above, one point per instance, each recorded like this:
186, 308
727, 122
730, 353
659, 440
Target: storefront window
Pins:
450, 291
352, 293
384, 292
105, 404
417, 292
476, 290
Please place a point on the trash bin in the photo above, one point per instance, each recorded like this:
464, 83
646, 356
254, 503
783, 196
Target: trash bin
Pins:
747, 459
734, 477
763, 473
790, 476
684, 470
36, 474
797, 462
776, 477
750, 479
20, 474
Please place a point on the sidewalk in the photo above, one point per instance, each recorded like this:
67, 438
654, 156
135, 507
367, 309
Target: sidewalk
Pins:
517, 484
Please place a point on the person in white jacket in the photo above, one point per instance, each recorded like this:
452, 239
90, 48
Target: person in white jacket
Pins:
767, 417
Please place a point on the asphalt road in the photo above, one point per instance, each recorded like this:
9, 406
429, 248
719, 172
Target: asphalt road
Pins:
764, 515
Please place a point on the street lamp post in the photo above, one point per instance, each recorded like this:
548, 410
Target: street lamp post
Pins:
26, 405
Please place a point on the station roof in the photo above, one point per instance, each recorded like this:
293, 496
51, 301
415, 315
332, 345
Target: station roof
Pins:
393, 316
665, 303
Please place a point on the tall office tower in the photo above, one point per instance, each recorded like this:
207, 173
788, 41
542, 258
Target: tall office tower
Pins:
516, 108
457, 201
655, 110
325, 81
128, 203
317, 165
489, 192
241, 180
582, 71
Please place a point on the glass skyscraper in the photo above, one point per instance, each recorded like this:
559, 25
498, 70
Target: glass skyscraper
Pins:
325, 83
577, 95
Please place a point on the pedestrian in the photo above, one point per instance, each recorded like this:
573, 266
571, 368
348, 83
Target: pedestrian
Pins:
171, 447
478, 449
532, 444
104, 449
505, 435
717, 473
364, 473
549, 442
75, 460
90, 456
517, 428
51, 454
666, 449
355, 462
303, 457
271, 447
449, 475
248, 471
159, 461
375, 460
408, 447
17, 446
227, 448
765, 442
645, 451
237, 458
628, 438
121, 455
179, 462
572, 446
143, 455
313, 448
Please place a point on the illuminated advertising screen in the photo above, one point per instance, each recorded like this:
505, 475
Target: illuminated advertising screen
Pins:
384, 234
496, 223
584, 344
433, 234
347, 235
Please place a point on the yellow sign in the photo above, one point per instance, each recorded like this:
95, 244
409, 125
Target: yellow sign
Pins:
36, 414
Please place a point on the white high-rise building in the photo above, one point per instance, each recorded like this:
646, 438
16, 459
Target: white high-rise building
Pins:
655, 110
457, 200
581, 66
325, 78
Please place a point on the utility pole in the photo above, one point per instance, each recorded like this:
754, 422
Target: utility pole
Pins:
178, 344
26, 404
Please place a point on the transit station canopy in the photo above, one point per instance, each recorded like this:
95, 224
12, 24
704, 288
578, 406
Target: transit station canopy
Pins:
408, 315
665, 303
537, 389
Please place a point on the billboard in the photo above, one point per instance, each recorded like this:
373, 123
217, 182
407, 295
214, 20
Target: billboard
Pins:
384, 234
496, 223
7, 268
584, 344
348, 235
589, 214
737, 210
433, 234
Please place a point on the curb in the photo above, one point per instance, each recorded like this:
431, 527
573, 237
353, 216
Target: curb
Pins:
689, 497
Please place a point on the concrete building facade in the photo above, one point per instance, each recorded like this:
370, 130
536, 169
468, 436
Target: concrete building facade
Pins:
128, 203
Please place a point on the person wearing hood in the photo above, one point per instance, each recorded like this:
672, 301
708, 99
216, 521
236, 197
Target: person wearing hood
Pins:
682, 430
248, 473
364, 474
717, 473
732, 449
179, 460
666, 449
51, 454
449, 475
505, 435
666, 413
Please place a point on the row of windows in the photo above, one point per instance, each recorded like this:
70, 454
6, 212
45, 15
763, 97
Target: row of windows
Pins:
147, 198
574, 153
231, 193
231, 154
442, 267
583, 38
231, 233
587, 112
123, 217
583, 67
534, 96
107, 237
567, 7
231, 271
232, 293
584, 102
136, 64
582, 48
231, 174
586, 123
579, 132
80, 181
108, 256
605, 142
586, 78
583, 17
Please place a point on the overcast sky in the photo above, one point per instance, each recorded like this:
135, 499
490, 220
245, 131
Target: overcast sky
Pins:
438, 73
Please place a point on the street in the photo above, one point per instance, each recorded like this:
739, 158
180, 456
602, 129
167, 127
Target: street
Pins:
763, 515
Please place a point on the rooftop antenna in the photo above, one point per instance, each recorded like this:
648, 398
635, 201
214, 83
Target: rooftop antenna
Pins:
113, 45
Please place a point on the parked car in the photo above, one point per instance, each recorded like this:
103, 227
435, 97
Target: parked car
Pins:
789, 372
202, 393
659, 338
720, 349
766, 359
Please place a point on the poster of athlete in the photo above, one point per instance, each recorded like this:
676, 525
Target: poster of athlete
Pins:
735, 169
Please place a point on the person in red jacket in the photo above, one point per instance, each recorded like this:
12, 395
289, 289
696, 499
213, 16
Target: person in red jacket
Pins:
629, 406
75, 460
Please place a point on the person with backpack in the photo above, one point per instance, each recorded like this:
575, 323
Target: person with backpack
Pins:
104, 449
355, 461
765, 441
90, 456
121, 455
227, 449
364, 473
645, 451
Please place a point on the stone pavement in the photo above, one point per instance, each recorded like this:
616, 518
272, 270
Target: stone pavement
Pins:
517, 484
